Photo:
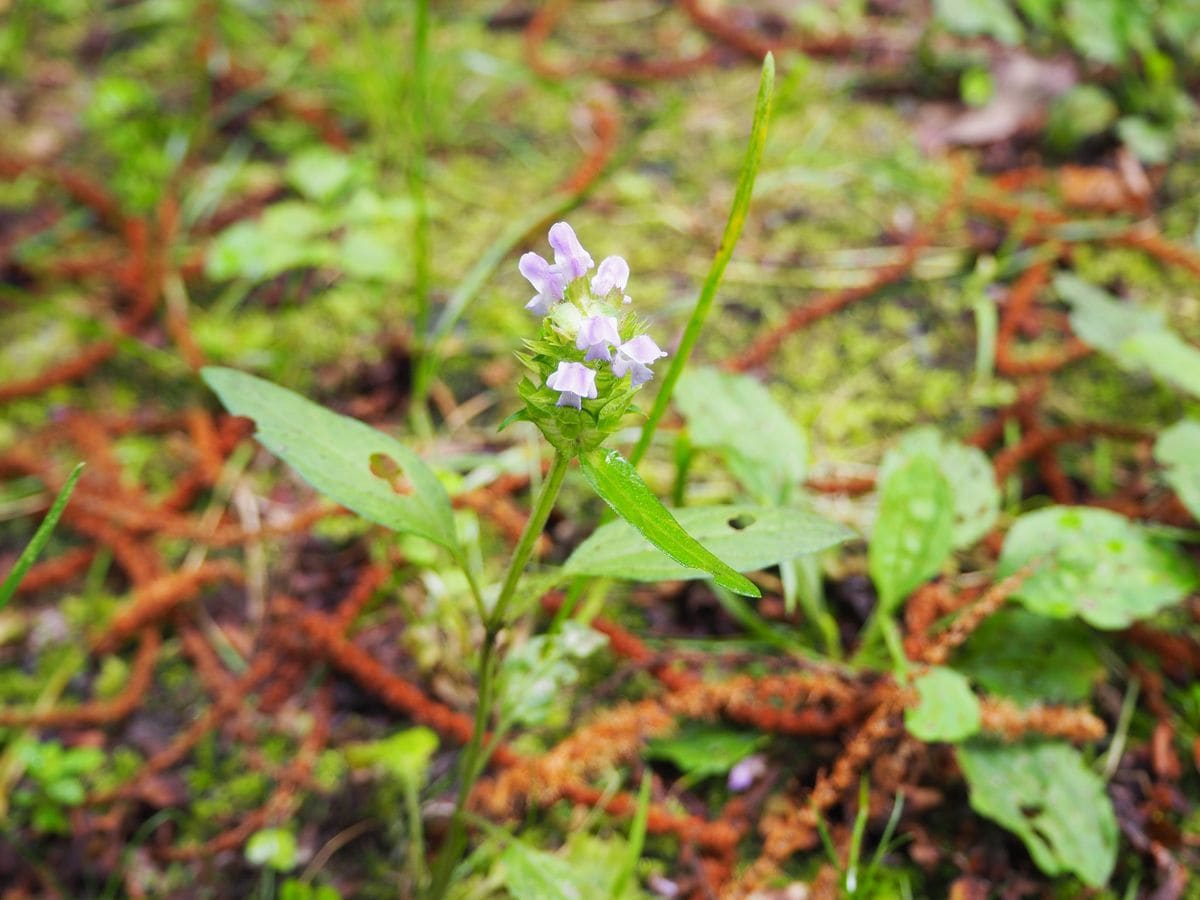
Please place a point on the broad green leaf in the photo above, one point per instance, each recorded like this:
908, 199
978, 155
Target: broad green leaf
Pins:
1032, 659
1177, 450
535, 675
40, 538
1137, 339
947, 709
914, 532
319, 172
273, 848
1046, 794
979, 17
701, 750
747, 537
531, 874
1094, 564
966, 469
736, 416
405, 755
619, 485
354, 464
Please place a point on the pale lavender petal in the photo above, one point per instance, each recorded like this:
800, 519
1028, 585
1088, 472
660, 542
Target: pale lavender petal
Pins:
612, 274
746, 772
546, 279
569, 255
595, 335
634, 356
575, 381
642, 349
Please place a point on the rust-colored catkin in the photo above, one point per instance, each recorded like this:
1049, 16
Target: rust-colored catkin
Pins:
98, 712
154, 601
329, 640
939, 649
55, 571
806, 704
1011, 722
368, 581
788, 826
206, 441
542, 24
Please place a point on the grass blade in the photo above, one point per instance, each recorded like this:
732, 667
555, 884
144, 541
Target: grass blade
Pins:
733, 231
40, 538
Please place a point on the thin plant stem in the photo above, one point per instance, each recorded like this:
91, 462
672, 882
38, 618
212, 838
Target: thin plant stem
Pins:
416, 171
475, 754
733, 231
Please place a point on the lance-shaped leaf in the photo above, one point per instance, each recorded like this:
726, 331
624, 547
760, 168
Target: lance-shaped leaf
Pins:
619, 485
350, 462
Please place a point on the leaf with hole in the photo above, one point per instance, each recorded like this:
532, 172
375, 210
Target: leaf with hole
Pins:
914, 532
350, 462
966, 469
1094, 564
747, 537
619, 485
1046, 794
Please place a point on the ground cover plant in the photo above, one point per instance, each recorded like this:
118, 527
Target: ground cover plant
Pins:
599, 449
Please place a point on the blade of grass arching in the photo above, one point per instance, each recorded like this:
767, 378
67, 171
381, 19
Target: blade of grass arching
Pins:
637, 838
40, 538
733, 231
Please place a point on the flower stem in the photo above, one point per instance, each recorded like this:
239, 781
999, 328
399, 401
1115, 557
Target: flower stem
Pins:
474, 756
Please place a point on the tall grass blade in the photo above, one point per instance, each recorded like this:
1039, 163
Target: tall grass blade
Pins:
40, 538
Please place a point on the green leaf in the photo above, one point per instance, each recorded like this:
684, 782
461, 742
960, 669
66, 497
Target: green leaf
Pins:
619, 485
1095, 564
318, 172
354, 464
701, 750
531, 874
1152, 144
738, 417
1046, 794
966, 469
914, 532
986, 17
40, 538
535, 675
1137, 339
947, 709
405, 755
1177, 450
272, 847
747, 537
1031, 659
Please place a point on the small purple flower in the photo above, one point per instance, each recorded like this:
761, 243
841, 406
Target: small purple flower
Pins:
748, 771
546, 279
569, 256
595, 335
575, 381
612, 274
635, 356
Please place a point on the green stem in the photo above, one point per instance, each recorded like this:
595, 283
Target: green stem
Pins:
474, 756
416, 189
733, 231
